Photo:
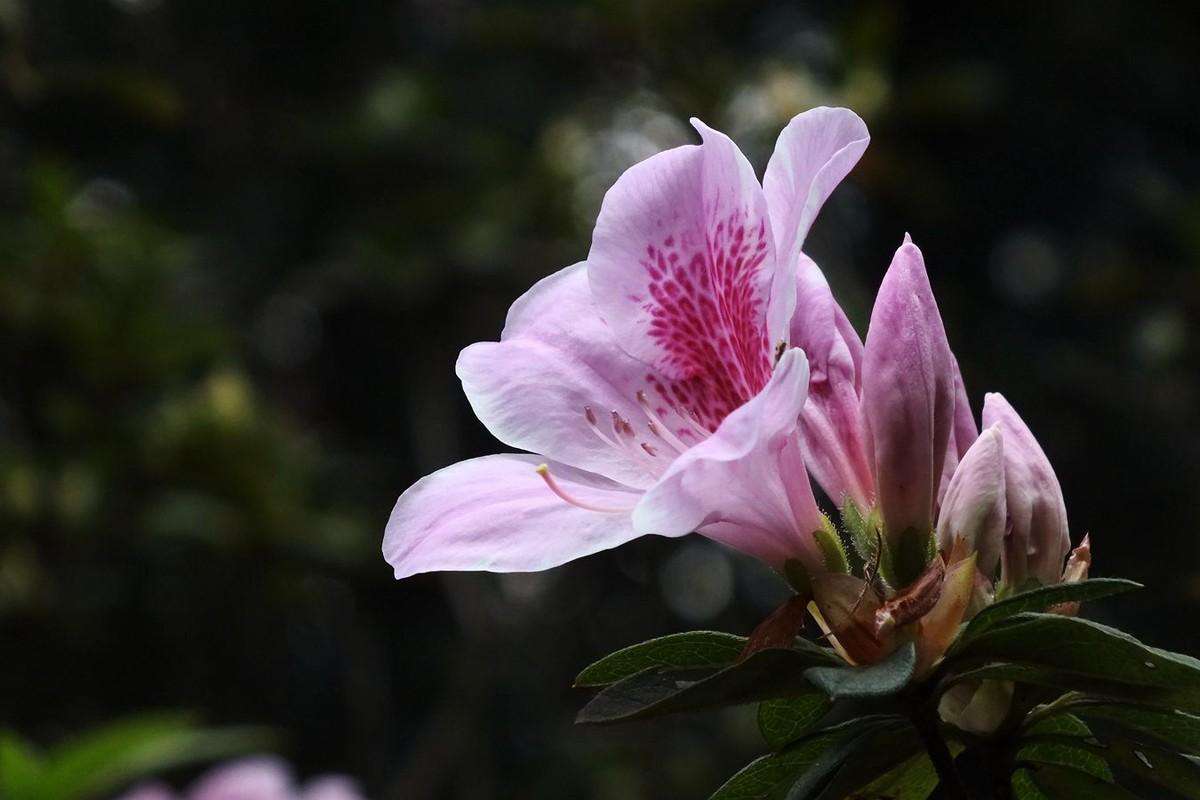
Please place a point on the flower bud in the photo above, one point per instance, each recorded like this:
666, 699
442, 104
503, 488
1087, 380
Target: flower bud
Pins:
974, 506
908, 403
1037, 540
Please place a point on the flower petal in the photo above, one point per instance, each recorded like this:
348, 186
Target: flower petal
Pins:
259, 777
908, 394
331, 787
813, 154
150, 791
974, 507
555, 360
682, 264
749, 475
496, 513
962, 434
1038, 538
832, 421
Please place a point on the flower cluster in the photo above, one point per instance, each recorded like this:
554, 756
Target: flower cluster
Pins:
696, 374
258, 778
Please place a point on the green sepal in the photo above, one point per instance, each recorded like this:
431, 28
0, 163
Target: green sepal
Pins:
832, 550
861, 530
866, 536
914, 550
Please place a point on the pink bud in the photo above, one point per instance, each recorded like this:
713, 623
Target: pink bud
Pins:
974, 506
908, 394
1038, 539
962, 434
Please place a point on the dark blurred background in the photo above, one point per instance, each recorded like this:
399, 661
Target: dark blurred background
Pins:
242, 243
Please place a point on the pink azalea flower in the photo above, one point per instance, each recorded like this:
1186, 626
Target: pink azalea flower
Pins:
256, 778
654, 381
693, 372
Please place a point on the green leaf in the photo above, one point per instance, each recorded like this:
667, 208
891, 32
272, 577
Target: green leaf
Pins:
1073, 649
1060, 749
117, 754
770, 777
1174, 728
1024, 788
1062, 783
764, 675
1061, 679
914, 779
874, 747
825, 763
1152, 765
1042, 598
678, 651
877, 680
784, 720
1134, 765
20, 768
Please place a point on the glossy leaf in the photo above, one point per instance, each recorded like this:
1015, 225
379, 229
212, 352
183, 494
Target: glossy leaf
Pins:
1174, 728
914, 779
1054, 746
678, 651
784, 720
877, 680
1152, 765
1023, 787
874, 747
764, 675
1089, 651
1042, 598
1062, 783
770, 777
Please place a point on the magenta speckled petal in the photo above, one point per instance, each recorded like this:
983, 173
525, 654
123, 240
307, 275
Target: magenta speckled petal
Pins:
682, 265
749, 475
556, 362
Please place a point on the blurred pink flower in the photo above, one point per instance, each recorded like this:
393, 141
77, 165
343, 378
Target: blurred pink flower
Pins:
655, 380
256, 778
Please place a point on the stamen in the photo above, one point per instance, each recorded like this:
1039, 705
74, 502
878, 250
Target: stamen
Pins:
693, 420
653, 453
594, 424
544, 471
657, 426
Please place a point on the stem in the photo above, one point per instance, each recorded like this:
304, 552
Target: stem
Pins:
927, 726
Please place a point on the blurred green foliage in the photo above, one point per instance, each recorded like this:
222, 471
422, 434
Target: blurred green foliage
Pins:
101, 761
242, 243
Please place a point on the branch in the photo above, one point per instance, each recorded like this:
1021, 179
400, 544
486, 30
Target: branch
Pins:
926, 724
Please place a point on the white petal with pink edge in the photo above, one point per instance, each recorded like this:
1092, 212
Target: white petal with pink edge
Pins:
498, 514
558, 384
